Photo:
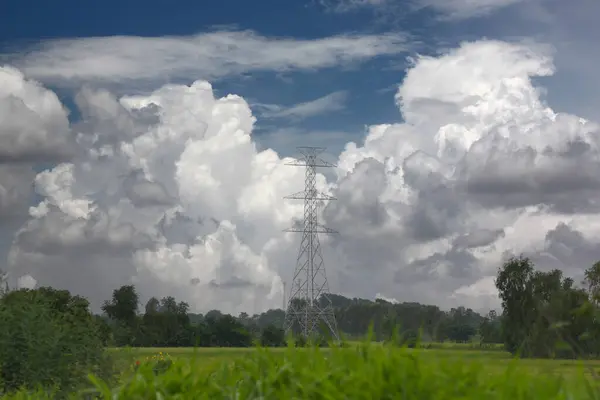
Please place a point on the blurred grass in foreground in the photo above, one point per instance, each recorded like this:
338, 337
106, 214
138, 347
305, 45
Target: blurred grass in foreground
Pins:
359, 372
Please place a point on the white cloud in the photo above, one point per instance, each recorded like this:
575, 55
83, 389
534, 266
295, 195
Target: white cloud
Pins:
33, 122
286, 141
323, 105
342, 6
476, 168
463, 9
206, 55
174, 194
34, 128
382, 297
447, 9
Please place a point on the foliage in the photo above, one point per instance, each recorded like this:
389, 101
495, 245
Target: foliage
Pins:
48, 338
168, 323
165, 323
544, 314
490, 330
223, 331
272, 336
122, 312
362, 372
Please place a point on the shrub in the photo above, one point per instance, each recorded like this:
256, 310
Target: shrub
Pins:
48, 339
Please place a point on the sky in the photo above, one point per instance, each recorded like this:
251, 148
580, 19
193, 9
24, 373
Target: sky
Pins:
146, 143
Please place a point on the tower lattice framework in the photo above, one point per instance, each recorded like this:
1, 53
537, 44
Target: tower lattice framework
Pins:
309, 308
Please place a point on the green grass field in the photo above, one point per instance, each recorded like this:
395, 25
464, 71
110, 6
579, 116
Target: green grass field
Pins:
493, 361
490, 359
360, 371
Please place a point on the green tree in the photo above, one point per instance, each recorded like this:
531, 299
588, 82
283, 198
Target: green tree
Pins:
48, 338
592, 282
490, 328
515, 288
166, 323
222, 330
122, 311
544, 314
272, 336
124, 305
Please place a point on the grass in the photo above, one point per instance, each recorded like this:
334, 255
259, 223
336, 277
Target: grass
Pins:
360, 372
364, 371
491, 360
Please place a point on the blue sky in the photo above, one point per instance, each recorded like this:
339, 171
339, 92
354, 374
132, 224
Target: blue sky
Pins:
363, 90
368, 87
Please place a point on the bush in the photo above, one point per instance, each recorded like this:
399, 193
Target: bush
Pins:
49, 339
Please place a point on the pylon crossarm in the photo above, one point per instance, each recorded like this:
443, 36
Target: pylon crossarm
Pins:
318, 229
303, 195
316, 163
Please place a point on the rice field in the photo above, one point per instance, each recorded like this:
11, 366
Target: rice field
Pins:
492, 361
361, 371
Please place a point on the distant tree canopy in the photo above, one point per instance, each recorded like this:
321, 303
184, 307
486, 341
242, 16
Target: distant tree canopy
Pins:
544, 314
168, 323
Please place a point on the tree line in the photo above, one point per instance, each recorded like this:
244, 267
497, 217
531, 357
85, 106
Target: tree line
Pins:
167, 322
542, 312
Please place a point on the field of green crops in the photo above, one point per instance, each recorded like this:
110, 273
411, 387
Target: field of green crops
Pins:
490, 360
360, 372
365, 371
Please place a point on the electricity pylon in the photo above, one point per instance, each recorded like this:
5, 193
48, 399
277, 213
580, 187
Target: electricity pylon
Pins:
309, 307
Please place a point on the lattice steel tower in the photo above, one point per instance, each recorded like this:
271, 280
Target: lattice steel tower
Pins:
309, 307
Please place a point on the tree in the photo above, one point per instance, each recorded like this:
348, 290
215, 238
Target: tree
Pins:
166, 323
49, 338
592, 281
544, 314
272, 336
223, 331
490, 328
152, 306
124, 305
122, 310
514, 284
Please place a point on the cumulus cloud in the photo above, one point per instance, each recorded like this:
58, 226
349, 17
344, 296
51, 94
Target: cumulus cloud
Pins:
34, 128
286, 141
173, 193
164, 205
33, 123
482, 167
206, 55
